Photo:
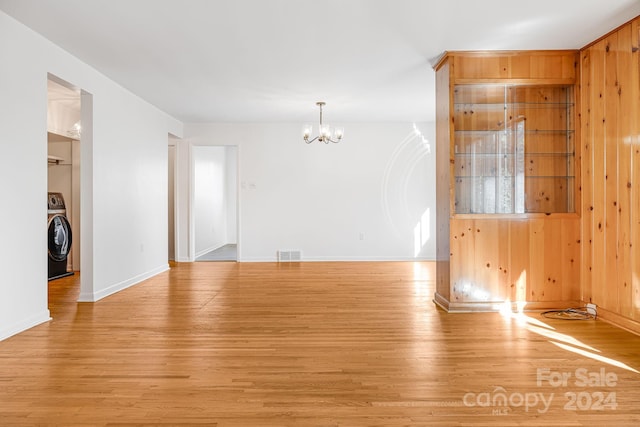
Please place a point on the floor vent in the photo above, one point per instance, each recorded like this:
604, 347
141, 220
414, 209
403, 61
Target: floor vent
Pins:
289, 256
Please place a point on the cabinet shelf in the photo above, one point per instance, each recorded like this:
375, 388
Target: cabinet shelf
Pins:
505, 176
513, 131
502, 105
532, 154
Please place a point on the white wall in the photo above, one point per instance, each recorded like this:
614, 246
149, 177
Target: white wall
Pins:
370, 197
210, 201
127, 197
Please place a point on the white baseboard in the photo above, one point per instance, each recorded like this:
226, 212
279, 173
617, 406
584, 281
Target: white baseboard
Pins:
25, 324
364, 259
339, 259
96, 296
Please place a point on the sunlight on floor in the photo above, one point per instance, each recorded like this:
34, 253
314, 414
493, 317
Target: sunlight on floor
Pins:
424, 276
558, 339
597, 357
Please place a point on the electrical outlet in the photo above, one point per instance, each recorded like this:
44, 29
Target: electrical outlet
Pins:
592, 309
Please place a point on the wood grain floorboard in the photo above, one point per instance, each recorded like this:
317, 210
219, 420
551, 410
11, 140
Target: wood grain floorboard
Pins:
308, 344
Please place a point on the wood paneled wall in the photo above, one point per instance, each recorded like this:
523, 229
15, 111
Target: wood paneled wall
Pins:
610, 111
597, 260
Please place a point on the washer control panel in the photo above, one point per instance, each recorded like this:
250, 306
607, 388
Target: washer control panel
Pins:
55, 201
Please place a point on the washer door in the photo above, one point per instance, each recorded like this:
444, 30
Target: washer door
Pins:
59, 237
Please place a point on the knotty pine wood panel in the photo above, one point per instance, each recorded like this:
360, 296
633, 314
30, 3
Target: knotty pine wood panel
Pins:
611, 114
554, 261
570, 253
536, 270
486, 281
300, 344
611, 120
598, 190
476, 248
587, 182
534, 260
540, 66
555, 258
481, 67
522, 65
463, 260
540, 94
505, 255
623, 50
634, 142
479, 94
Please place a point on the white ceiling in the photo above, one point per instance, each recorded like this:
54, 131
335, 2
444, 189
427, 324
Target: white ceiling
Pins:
271, 60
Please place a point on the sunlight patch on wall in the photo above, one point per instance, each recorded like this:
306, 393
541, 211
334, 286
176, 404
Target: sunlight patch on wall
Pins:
424, 140
421, 232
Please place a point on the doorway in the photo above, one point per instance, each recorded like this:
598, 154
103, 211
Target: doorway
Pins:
63, 178
69, 144
215, 200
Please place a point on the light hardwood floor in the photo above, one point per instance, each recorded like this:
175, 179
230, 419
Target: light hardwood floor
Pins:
310, 344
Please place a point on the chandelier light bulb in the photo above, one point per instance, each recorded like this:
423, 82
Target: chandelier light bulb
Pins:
325, 132
307, 130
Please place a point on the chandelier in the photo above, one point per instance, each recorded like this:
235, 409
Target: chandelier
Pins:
326, 133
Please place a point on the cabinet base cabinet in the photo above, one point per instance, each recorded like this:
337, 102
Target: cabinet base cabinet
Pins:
498, 262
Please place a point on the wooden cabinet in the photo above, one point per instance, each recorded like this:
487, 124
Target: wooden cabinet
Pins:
507, 226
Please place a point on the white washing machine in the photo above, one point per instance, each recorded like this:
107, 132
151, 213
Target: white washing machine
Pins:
59, 236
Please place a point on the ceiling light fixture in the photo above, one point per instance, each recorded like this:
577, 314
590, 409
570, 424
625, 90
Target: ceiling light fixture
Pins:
326, 134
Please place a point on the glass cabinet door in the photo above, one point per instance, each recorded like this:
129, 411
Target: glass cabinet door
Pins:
513, 149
